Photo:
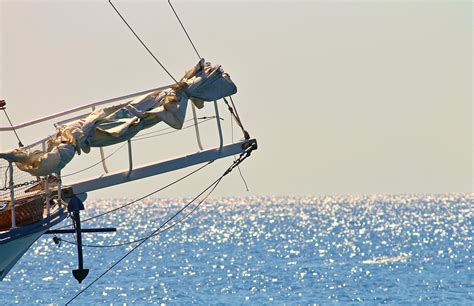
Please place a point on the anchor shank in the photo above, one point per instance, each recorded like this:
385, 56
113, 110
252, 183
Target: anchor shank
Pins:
80, 258
75, 205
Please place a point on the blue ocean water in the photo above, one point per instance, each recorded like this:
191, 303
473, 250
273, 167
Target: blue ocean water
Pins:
375, 249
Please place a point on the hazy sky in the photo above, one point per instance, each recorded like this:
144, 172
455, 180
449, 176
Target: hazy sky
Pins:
349, 97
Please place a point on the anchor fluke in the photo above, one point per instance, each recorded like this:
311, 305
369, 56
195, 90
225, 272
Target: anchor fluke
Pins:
80, 274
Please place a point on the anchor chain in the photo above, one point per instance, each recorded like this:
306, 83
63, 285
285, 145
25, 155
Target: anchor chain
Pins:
32, 182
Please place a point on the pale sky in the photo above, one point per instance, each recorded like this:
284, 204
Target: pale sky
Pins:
344, 97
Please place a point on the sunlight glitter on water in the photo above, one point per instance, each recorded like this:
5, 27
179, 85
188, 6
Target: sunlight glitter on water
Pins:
399, 249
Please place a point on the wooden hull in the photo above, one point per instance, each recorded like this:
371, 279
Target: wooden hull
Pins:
27, 211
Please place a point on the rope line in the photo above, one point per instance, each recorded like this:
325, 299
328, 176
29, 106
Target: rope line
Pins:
235, 115
238, 167
154, 233
235, 108
97, 163
170, 132
212, 187
204, 119
20, 144
209, 189
128, 253
239, 121
184, 29
143, 44
143, 197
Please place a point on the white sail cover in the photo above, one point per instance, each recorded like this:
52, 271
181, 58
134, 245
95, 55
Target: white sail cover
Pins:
119, 123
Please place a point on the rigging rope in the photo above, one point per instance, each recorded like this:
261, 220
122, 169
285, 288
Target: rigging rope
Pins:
155, 232
141, 137
143, 44
143, 197
169, 127
211, 187
97, 163
238, 167
236, 117
184, 29
4, 108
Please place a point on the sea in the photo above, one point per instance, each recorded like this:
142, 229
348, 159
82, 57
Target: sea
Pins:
396, 249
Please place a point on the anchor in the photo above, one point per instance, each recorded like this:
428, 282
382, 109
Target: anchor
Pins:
75, 205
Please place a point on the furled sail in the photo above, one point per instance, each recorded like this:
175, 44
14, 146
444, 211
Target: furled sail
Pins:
111, 125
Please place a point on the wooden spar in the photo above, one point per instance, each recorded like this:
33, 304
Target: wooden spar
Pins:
127, 175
